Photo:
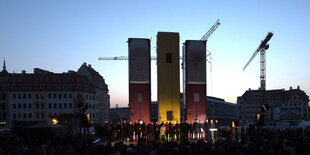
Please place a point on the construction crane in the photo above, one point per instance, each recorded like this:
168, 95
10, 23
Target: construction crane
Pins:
205, 38
210, 31
126, 58
262, 49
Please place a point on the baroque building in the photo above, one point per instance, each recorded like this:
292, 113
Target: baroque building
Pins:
292, 104
42, 95
101, 89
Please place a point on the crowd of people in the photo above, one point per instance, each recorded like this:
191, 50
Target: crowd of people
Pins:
164, 132
277, 142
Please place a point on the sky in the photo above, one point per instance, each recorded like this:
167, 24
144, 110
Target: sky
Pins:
60, 35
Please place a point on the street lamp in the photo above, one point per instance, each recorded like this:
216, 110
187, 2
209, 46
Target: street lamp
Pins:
54, 121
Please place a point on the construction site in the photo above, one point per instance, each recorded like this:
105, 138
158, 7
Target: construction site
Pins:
193, 61
193, 67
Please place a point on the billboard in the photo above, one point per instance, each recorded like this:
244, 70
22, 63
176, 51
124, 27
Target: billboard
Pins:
290, 114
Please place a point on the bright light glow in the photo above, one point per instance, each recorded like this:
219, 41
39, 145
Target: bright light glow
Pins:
213, 129
54, 121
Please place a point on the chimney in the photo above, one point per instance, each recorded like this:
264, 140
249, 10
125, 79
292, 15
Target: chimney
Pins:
84, 63
89, 65
23, 71
298, 87
116, 106
291, 88
249, 89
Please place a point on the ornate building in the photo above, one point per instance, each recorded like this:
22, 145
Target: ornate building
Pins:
43, 95
101, 89
283, 103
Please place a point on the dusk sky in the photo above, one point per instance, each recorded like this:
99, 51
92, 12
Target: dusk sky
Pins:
60, 35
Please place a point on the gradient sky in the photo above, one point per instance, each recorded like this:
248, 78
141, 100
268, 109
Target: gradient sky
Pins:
60, 35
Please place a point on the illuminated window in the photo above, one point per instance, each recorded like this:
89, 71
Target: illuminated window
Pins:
139, 97
196, 97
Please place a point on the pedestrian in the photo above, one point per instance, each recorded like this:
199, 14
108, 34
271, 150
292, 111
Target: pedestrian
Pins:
162, 132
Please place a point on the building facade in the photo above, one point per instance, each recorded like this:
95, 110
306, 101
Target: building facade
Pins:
139, 51
292, 104
195, 79
42, 95
220, 110
4, 87
168, 76
102, 97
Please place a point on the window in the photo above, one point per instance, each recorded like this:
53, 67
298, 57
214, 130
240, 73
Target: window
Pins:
70, 95
49, 95
25, 106
42, 96
29, 105
55, 105
65, 105
139, 97
38, 115
168, 57
59, 95
55, 95
19, 96
14, 96
37, 106
196, 97
4, 116
65, 95
3, 106
70, 105
14, 106
14, 116
29, 96
49, 115
25, 115
19, 115
59, 105
24, 96
37, 96
50, 105
30, 115
42, 106
42, 115
19, 106
169, 115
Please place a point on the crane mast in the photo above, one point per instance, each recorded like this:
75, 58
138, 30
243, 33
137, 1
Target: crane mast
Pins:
262, 49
